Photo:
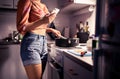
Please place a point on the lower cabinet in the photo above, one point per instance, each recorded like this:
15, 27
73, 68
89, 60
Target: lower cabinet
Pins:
67, 75
11, 66
72, 70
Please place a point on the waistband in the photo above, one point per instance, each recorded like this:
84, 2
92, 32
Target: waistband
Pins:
33, 34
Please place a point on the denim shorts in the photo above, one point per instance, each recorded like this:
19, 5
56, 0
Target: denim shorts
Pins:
33, 49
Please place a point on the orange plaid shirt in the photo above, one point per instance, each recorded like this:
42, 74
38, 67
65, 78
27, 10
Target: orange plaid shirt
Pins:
29, 11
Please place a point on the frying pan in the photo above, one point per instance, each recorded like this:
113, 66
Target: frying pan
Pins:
66, 42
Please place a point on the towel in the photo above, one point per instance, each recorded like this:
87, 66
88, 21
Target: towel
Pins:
88, 53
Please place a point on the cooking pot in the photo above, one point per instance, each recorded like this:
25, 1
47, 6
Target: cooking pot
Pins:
68, 42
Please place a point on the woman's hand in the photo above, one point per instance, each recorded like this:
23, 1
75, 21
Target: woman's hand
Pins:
56, 32
48, 18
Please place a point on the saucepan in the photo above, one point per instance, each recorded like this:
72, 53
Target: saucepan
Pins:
66, 42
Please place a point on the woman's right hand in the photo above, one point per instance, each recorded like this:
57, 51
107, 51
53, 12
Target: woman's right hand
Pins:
57, 33
51, 16
54, 31
48, 18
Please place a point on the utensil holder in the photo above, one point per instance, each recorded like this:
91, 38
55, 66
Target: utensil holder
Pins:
83, 37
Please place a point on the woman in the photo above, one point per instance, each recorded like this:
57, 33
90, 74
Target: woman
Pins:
33, 18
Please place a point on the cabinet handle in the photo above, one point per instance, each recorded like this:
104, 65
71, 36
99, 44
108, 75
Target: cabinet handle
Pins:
71, 71
6, 5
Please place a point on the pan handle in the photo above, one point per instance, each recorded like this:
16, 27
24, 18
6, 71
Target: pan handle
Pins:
62, 37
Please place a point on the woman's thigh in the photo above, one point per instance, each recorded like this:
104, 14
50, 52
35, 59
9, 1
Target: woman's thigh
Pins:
34, 71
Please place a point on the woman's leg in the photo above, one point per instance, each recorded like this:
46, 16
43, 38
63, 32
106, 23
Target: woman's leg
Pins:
34, 71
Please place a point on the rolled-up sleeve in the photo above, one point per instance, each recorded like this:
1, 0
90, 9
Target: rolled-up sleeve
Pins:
23, 11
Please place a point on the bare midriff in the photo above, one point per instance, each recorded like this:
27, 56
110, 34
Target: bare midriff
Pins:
40, 31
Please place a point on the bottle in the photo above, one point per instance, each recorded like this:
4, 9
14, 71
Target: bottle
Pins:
89, 43
86, 27
95, 45
81, 26
20, 37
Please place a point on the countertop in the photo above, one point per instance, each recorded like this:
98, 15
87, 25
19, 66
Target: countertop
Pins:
85, 61
8, 43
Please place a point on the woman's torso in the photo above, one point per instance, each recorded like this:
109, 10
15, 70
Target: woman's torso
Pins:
38, 11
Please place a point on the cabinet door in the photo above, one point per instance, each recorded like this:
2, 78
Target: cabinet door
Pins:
15, 4
67, 76
17, 68
6, 3
4, 58
11, 66
76, 71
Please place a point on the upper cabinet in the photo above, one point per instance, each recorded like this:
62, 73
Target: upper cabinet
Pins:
68, 6
9, 4
6, 3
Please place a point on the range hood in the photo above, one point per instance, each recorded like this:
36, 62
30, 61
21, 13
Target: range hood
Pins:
88, 2
76, 5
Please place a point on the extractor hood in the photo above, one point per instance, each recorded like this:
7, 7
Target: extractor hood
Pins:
88, 2
76, 5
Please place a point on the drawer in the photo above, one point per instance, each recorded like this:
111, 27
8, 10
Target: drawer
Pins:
76, 71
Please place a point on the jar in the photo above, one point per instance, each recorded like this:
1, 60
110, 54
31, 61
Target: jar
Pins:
89, 44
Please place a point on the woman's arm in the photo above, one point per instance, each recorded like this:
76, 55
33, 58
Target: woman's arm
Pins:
23, 9
56, 32
23, 25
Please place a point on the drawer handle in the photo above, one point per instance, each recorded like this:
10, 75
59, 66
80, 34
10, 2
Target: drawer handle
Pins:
71, 71
6, 5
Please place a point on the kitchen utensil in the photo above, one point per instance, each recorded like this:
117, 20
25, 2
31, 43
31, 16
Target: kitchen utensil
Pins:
62, 37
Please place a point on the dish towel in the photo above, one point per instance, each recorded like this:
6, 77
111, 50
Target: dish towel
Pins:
88, 53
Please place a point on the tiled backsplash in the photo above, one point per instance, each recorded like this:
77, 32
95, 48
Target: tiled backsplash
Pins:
7, 23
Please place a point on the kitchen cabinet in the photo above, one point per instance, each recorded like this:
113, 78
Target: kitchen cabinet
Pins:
68, 6
73, 70
73, 66
15, 4
9, 4
6, 4
10, 63
55, 63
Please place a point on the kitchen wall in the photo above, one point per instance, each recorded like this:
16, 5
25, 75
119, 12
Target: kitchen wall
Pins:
69, 20
7, 22
8, 19
62, 20
85, 17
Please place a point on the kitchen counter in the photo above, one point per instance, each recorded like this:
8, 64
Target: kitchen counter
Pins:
85, 61
8, 43
74, 66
